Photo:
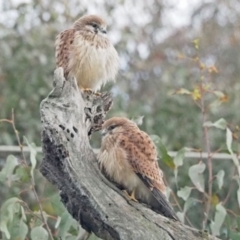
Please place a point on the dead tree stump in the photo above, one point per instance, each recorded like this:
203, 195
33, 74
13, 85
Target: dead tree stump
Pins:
70, 164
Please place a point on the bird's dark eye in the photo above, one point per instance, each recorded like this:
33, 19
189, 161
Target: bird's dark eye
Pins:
111, 127
94, 25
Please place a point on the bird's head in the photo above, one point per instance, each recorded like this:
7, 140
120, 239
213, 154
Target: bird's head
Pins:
117, 125
91, 23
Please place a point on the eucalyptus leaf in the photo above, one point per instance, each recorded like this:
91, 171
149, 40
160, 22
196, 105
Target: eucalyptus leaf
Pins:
229, 140
219, 94
195, 173
39, 233
23, 173
181, 216
4, 229
168, 192
58, 222
9, 208
238, 196
221, 124
182, 91
188, 204
178, 159
18, 229
33, 154
23, 214
65, 224
165, 157
73, 238
220, 177
7, 213
184, 193
218, 219
229, 147
8, 168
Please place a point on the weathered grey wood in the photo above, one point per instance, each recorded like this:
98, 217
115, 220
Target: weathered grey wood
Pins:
70, 164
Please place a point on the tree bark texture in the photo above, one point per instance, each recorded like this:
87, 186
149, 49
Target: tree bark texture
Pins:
67, 118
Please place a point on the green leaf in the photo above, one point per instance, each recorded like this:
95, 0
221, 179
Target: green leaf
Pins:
8, 168
10, 207
7, 212
18, 229
182, 91
178, 159
23, 173
4, 229
218, 219
215, 104
232, 235
220, 176
168, 192
33, 154
188, 204
229, 140
219, 94
195, 173
65, 224
238, 222
74, 238
237, 179
221, 123
238, 196
184, 193
165, 157
156, 139
23, 214
181, 216
58, 222
39, 233
229, 147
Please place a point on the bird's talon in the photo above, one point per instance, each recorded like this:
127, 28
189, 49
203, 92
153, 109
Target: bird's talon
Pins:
87, 90
132, 196
98, 93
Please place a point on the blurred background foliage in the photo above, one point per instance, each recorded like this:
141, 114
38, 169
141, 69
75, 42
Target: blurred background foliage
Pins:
149, 36
155, 41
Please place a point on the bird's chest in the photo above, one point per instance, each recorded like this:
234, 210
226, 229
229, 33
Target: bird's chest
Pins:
93, 57
118, 168
89, 64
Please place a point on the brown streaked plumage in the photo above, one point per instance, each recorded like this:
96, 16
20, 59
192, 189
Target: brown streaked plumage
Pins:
85, 52
129, 158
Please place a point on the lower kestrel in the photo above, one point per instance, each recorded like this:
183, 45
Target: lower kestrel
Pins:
128, 157
85, 52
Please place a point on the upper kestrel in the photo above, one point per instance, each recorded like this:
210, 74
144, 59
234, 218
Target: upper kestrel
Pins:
129, 158
85, 52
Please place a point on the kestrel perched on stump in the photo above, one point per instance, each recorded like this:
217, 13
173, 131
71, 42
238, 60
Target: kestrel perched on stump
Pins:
128, 157
85, 52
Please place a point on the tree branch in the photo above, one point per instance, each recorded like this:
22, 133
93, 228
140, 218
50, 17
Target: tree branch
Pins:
70, 164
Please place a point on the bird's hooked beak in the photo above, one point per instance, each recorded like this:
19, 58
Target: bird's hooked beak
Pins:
104, 132
103, 30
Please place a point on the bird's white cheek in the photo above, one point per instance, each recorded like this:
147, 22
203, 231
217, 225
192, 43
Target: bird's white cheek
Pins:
104, 35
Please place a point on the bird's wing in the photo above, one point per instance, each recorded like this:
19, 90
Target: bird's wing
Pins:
164, 207
63, 44
142, 156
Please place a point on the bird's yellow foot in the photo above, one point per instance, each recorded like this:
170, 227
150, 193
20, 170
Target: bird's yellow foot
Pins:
98, 93
87, 90
90, 91
132, 196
